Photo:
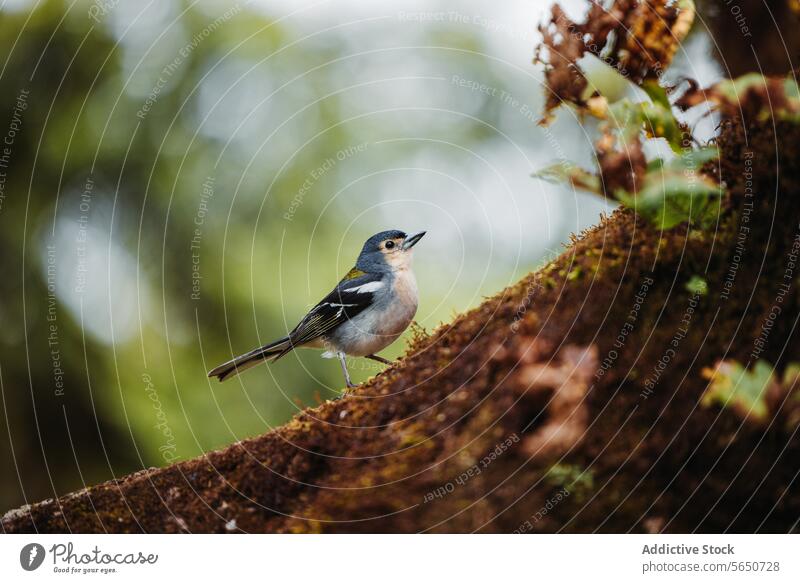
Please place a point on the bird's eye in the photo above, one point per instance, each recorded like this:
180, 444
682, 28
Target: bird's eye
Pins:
389, 244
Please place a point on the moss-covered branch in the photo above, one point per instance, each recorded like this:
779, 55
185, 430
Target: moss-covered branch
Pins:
575, 400
646, 380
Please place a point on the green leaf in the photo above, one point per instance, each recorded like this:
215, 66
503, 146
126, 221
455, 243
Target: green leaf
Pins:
734, 89
656, 92
602, 79
575, 175
675, 191
791, 88
733, 386
791, 374
694, 159
630, 118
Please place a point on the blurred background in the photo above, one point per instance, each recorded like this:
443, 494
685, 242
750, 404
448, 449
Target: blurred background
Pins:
181, 181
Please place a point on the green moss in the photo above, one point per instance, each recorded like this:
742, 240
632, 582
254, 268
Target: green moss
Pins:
410, 439
573, 478
697, 285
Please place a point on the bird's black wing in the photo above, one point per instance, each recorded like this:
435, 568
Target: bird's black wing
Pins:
352, 295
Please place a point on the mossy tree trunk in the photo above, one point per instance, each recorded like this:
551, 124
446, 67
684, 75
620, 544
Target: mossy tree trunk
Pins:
570, 402
577, 400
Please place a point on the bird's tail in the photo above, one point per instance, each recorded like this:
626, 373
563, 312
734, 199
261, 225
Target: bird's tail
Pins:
270, 352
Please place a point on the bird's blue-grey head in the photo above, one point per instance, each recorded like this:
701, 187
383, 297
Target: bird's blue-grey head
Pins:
387, 251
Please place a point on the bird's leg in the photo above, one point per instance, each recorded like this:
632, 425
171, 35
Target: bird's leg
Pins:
343, 362
377, 358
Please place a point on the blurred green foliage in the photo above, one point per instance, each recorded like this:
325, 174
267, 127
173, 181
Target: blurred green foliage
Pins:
184, 181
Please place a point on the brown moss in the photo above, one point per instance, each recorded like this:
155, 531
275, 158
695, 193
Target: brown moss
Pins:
513, 367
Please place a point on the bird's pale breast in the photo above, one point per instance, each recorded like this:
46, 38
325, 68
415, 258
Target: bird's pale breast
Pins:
376, 328
399, 316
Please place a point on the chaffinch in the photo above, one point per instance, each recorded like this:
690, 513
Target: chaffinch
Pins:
368, 310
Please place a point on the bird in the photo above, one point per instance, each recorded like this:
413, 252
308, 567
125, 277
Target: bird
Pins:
367, 310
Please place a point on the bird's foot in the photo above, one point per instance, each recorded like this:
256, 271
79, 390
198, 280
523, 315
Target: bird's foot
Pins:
346, 392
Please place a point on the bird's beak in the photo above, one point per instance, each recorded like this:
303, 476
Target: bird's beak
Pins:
412, 240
